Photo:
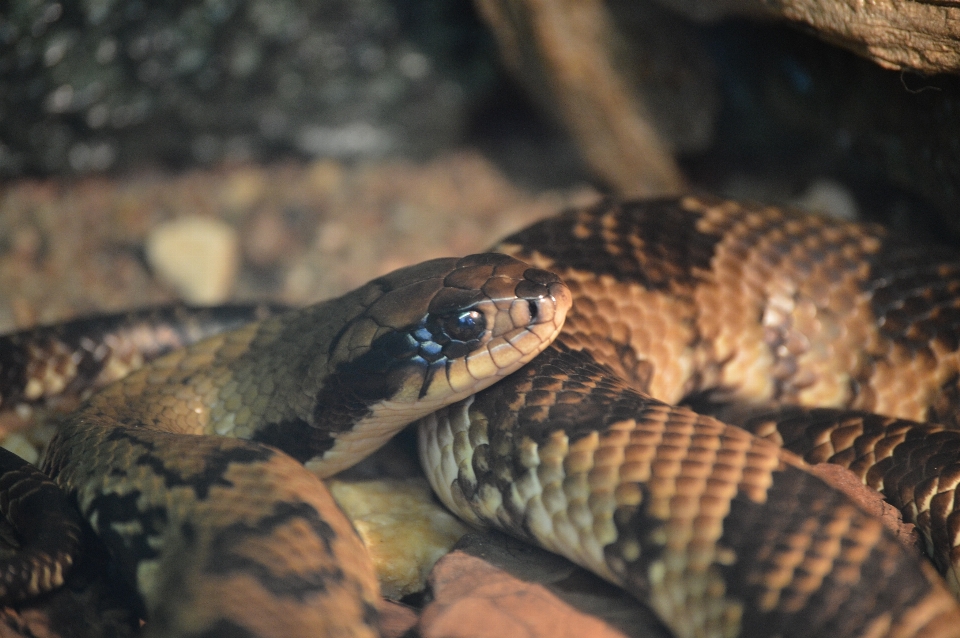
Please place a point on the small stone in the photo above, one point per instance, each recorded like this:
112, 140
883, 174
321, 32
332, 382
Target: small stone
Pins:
830, 198
325, 177
19, 445
243, 188
404, 529
197, 256
267, 241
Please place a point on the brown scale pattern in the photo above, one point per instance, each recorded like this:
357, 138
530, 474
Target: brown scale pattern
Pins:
763, 306
73, 359
722, 533
916, 466
47, 523
756, 304
782, 308
259, 524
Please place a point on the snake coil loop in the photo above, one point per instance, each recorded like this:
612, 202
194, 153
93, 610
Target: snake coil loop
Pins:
580, 447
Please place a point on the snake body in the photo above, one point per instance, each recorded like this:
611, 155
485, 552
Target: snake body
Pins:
583, 449
72, 359
724, 534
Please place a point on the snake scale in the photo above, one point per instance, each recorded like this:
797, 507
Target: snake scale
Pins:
582, 450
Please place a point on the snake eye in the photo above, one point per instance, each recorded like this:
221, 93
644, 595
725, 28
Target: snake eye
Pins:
464, 326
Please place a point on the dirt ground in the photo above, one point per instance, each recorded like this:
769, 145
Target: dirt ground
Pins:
299, 232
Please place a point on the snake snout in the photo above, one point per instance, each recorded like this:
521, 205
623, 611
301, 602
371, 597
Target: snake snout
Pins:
547, 297
520, 308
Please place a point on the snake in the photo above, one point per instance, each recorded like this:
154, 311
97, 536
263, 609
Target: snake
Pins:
583, 445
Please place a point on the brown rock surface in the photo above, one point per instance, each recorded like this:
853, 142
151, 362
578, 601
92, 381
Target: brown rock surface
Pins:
923, 35
574, 61
474, 599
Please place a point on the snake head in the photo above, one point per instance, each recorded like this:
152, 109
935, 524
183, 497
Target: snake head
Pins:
447, 328
430, 335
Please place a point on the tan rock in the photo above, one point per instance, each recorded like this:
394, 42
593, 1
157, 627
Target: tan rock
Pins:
404, 529
197, 256
21, 446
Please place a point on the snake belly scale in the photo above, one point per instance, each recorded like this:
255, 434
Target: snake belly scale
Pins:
581, 450
229, 537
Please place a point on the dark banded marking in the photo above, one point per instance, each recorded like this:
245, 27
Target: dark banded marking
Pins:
350, 392
587, 393
225, 559
820, 569
219, 455
296, 437
110, 510
653, 244
46, 524
915, 466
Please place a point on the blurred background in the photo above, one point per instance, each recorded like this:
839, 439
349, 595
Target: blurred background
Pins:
293, 149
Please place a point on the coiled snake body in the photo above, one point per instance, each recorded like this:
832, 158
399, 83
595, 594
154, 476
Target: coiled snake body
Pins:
723, 533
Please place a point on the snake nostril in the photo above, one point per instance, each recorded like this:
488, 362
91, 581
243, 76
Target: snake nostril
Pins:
534, 309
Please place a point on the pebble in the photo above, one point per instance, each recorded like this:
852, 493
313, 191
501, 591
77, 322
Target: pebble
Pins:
197, 256
19, 445
404, 529
830, 198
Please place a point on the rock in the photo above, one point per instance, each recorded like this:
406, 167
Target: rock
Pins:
96, 86
630, 101
405, 530
920, 35
197, 256
573, 585
396, 620
640, 87
830, 198
473, 599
